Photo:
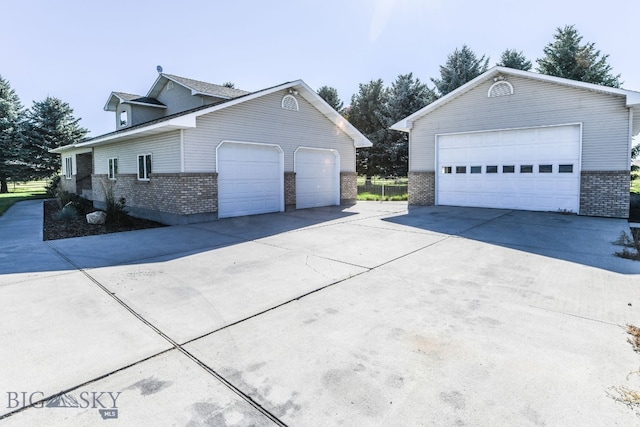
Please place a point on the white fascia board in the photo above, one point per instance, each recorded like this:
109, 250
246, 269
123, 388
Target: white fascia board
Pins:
153, 86
106, 106
184, 122
144, 104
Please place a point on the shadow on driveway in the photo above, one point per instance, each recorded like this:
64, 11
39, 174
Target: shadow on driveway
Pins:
578, 239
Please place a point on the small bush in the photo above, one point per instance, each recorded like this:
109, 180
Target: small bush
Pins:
115, 208
68, 213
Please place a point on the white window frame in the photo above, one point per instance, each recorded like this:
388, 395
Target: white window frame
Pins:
112, 168
146, 173
68, 167
290, 103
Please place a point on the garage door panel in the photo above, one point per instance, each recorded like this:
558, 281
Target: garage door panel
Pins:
518, 190
317, 178
250, 179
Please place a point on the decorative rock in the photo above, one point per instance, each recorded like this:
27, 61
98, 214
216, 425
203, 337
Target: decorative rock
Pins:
97, 217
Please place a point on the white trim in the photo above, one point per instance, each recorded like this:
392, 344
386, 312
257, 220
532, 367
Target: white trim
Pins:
518, 128
147, 173
181, 150
115, 169
630, 134
144, 104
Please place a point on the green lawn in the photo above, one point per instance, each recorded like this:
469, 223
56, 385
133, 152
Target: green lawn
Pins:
378, 197
22, 191
635, 186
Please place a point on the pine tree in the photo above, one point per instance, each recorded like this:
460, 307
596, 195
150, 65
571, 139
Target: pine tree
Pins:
11, 147
567, 58
368, 113
50, 124
513, 59
406, 96
330, 95
462, 66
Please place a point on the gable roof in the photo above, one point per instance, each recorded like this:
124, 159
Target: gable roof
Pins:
196, 87
128, 98
632, 98
187, 119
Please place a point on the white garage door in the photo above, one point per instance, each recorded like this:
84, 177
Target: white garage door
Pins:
250, 179
530, 169
317, 178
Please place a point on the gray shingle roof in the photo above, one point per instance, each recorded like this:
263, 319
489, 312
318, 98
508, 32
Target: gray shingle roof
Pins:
207, 88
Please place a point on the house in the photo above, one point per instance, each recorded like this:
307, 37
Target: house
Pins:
191, 151
514, 139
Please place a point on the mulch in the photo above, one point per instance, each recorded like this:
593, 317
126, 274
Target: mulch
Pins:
61, 229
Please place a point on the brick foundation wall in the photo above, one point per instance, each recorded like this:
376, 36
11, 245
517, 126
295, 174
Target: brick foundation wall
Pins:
422, 188
348, 187
68, 184
604, 193
169, 196
289, 191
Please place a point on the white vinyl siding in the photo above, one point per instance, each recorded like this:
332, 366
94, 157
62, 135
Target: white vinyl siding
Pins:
164, 147
605, 120
263, 120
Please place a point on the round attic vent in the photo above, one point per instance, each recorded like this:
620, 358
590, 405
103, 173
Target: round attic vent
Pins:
500, 88
289, 102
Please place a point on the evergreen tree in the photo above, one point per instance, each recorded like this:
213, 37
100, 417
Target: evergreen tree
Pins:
330, 95
567, 58
50, 124
406, 96
368, 113
462, 66
11, 147
513, 59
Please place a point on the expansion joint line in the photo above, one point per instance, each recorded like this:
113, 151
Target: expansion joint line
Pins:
175, 345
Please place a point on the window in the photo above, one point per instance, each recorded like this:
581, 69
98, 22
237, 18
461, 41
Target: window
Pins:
68, 167
492, 169
545, 168
508, 169
113, 168
289, 102
526, 168
124, 118
446, 169
476, 169
461, 169
144, 166
565, 168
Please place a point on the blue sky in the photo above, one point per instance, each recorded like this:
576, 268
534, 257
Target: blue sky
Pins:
80, 51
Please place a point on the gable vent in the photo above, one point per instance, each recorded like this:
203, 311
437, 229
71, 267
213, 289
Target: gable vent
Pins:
500, 88
289, 102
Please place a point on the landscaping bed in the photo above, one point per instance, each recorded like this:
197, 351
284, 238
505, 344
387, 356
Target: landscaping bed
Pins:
54, 228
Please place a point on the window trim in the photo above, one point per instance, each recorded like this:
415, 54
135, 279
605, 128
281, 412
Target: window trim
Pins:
68, 167
565, 166
149, 164
289, 99
112, 168
486, 169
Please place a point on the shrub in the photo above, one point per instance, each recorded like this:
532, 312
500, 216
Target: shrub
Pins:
67, 213
52, 185
115, 208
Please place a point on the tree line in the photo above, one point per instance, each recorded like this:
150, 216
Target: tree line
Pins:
374, 108
27, 135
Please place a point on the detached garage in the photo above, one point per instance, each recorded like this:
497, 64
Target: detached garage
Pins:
512, 139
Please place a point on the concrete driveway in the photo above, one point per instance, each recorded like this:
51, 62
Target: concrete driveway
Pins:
368, 315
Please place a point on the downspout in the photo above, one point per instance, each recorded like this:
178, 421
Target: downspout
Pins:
182, 150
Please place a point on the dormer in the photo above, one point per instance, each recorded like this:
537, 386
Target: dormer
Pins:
133, 109
181, 94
